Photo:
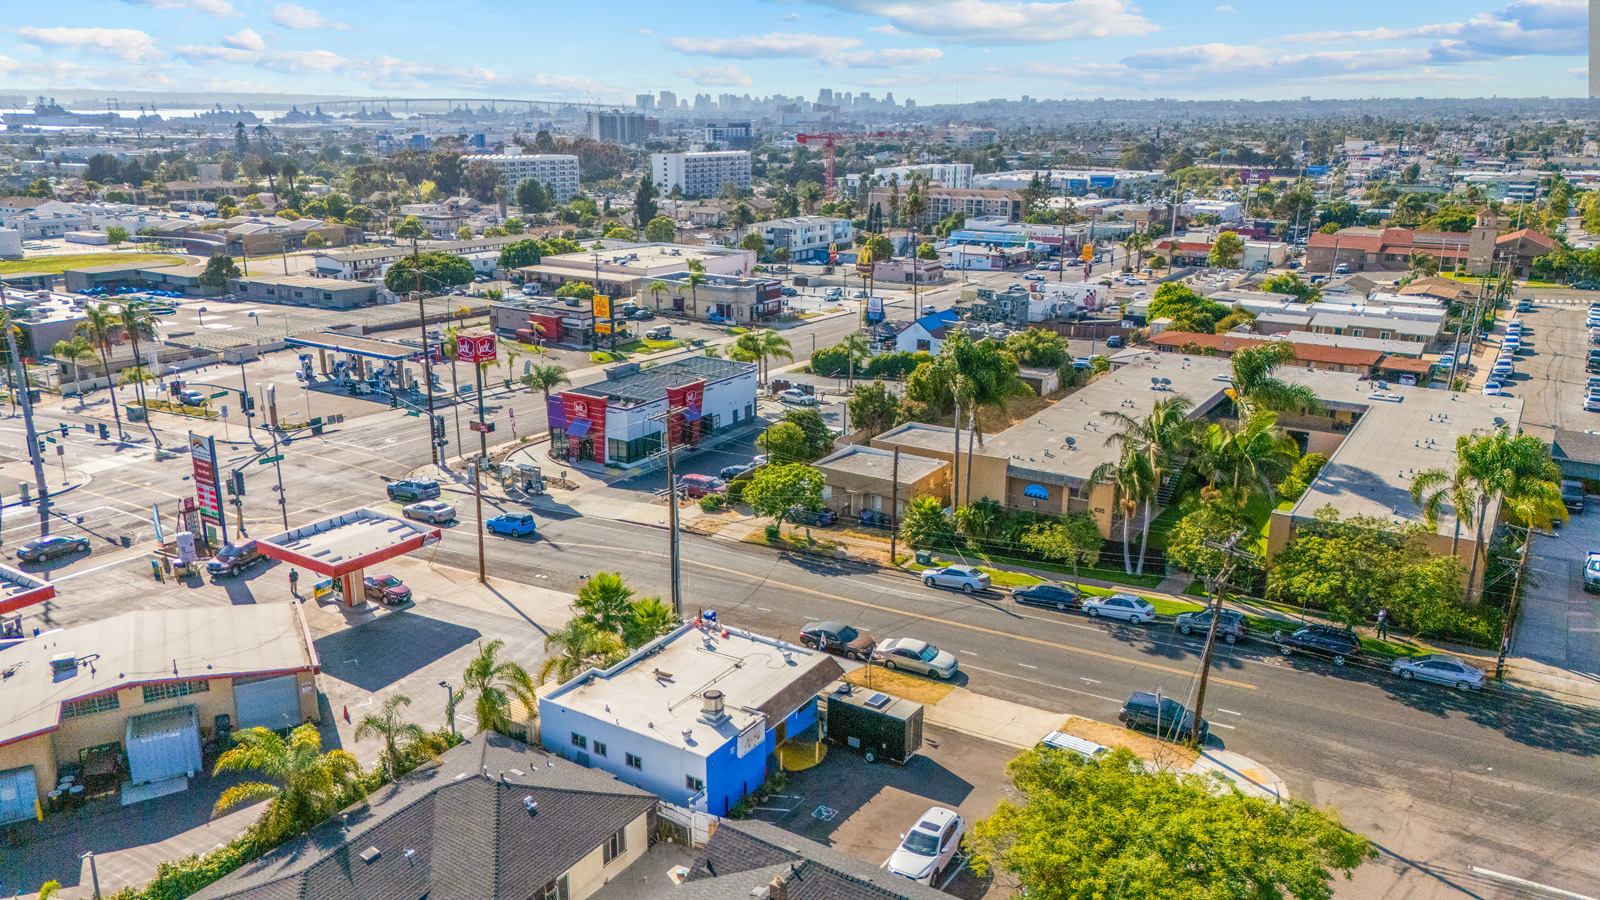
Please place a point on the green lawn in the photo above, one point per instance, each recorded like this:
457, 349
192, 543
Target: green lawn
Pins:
645, 345
59, 264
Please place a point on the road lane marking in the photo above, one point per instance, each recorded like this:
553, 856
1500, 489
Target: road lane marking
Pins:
1035, 681
1228, 711
1526, 883
1026, 666
1220, 725
1090, 680
926, 618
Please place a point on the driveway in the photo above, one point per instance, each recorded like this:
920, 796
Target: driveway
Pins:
1559, 624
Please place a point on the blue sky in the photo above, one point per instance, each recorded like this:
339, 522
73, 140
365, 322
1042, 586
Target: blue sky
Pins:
930, 50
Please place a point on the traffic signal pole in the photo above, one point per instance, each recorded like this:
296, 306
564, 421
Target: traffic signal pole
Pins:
32, 437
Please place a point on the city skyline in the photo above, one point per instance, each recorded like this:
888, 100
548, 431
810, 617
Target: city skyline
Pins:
937, 52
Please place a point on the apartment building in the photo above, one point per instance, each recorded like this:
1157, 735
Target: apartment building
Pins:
951, 175
617, 127
556, 171
807, 238
944, 201
965, 137
730, 135
700, 174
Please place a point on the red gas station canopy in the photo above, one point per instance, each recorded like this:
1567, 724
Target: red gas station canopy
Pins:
19, 589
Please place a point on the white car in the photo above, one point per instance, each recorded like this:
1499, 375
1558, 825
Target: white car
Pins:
1591, 404
1441, 669
1133, 282
1142, 295
966, 578
915, 656
929, 846
431, 511
1492, 389
797, 397
1129, 608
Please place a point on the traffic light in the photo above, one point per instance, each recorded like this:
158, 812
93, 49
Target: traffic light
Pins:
438, 428
105, 432
41, 446
236, 483
63, 429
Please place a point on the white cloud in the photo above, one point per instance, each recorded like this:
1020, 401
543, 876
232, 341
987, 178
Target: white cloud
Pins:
222, 9
391, 74
791, 17
54, 73
644, 31
984, 22
884, 29
717, 75
128, 44
246, 39
1522, 28
1264, 62
883, 59
778, 45
1226, 8
300, 18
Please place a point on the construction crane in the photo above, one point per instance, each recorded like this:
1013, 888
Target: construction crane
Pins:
830, 140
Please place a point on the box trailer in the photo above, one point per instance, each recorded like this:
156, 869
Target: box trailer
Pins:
880, 726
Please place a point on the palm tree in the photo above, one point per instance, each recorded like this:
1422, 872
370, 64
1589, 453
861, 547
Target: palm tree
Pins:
1248, 457
605, 602
390, 725
855, 347
268, 170
758, 347
1516, 468
303, 784
1137, 243
577, 647
1254, 384
101, 327
1160, 437
139, 323
496, 683
1133, 483
651, 619
655, 288
546, 379
74, 352
1430, 489
695, 279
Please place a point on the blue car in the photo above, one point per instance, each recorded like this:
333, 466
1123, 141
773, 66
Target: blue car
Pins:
512, 525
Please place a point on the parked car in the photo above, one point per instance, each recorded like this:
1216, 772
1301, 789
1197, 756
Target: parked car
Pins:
1232, 628
1338, 644
836, 638
695, 486
1129, 608
788, 291
1572, 495
833, 293
1033, 276
433, 512
1163, 715
966, 578
1440, 669
386, 589
1492, 389
659, 333
512, 525
1591, 404
822, 518
915, 656
642, 314
928, 847
728, 473
797, 397
234, 558
413, 490
51, 547
1115, 342
1048, 593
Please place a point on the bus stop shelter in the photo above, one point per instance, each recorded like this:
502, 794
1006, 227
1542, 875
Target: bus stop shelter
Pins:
342, 547
19, 589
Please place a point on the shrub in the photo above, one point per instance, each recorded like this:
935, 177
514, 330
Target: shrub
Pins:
773, 532
711, 502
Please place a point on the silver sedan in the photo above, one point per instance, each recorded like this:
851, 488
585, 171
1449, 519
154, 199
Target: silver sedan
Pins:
915, 656
1441, 669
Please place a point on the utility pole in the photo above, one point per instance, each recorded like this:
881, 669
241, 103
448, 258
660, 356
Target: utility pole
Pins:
427, 357
668, 420
21, 388
483, 419
475, 472
894, 501
1516, 602
283, 503
1218, 587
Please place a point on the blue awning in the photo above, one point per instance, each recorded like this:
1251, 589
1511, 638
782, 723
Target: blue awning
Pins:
691, 415
1036, 491
578, 428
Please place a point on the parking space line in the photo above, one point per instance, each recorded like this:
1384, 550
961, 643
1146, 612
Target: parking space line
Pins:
1228, 711
1026, 666
1220, 725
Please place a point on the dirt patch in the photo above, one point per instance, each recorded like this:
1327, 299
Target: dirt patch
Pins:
900, 684
1170, 756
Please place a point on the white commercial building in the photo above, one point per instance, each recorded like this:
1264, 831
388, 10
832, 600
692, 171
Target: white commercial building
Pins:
807, 238
556, 171
700, 174
629, 408
951, 175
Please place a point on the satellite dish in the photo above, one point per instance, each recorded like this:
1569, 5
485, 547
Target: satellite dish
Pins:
1166, 381
1155, 381
1072, 442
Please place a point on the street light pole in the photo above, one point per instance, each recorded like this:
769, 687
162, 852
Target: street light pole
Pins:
21, 388
449, 704
474, 472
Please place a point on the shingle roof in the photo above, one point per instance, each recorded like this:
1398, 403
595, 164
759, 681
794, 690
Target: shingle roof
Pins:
451, 833
743, 856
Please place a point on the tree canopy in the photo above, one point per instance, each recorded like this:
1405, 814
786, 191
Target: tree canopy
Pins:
217, 272
1226, 250
440, 271
1189, 311
776, 490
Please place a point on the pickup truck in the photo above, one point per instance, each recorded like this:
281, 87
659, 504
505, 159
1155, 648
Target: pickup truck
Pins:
1591, 572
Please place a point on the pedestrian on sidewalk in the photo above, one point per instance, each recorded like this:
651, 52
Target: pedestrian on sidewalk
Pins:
294, 583
1383, 624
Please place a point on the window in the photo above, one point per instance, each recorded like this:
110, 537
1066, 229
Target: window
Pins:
579, 741
88, 706
171, 689
693, 783
555, 890
599, 748
634, 762
616, 845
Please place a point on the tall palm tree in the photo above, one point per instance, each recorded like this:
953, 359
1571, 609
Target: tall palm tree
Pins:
74, 352
496, 682
1458, 485
576, 647
695, 279
1160, 437
1249, 457
758, 347
655, 287
139, 323
396, 733
855, 347
1133, 483
1254, 384
546, 379
302, 783
268, 171
1504, 466
1137, 243
101, 327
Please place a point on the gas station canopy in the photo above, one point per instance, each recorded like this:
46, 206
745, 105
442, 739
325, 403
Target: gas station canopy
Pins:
356, 346
19, 589
348, 542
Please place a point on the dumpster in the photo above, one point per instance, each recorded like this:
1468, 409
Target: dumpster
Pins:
133, 412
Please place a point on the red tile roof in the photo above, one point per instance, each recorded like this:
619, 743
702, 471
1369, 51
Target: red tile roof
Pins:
1227, 344
1529, 235
1396, 240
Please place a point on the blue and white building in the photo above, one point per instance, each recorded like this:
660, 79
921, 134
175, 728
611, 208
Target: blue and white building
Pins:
694, 717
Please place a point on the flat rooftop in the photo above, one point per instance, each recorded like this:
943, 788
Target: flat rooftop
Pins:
348, 541
145, 647
657, 692
633, 388
937, 438
309, 281
638, 256
873, 462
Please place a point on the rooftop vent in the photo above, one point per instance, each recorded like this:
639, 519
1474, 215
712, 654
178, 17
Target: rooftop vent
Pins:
370, 855
711, 707
63, 662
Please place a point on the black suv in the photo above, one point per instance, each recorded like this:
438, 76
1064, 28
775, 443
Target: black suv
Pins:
234, 558
1338, 644
1163, 715
1572, 495
412, 491
1060, 596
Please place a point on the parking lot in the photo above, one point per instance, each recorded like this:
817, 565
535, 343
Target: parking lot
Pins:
863, 808
1550, 369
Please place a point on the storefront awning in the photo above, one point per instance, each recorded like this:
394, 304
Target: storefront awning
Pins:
578, 428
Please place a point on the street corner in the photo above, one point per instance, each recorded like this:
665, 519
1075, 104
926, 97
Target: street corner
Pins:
1250, 777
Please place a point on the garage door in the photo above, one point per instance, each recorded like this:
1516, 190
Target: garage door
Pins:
271, 703
163, 745
18, 793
